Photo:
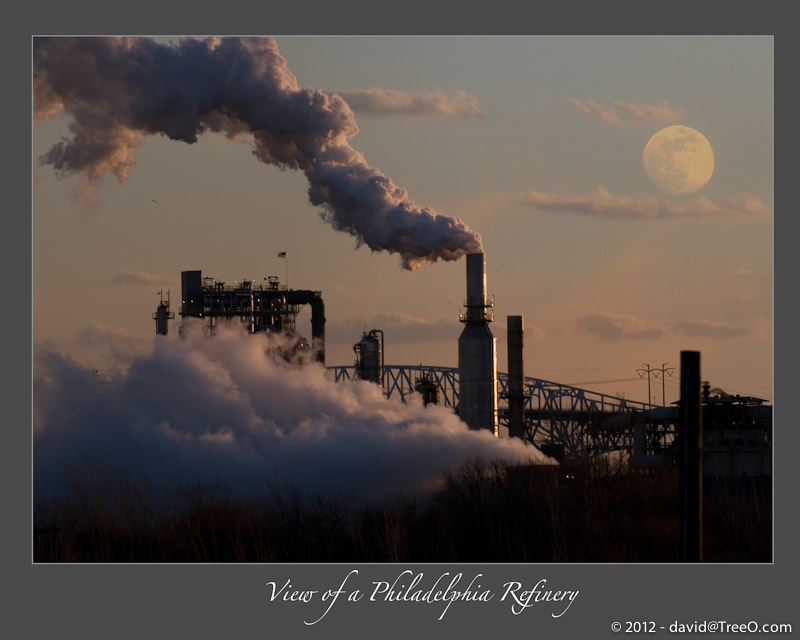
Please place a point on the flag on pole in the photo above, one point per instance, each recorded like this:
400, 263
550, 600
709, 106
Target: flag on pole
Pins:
282, 254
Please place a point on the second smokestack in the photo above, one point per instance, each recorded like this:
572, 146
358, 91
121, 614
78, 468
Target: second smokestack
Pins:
516, 377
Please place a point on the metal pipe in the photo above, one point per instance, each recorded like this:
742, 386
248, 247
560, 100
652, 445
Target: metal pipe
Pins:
314, 300
640, 458
383, 355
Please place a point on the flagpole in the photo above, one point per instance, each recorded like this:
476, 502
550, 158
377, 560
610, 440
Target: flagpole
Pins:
285, 256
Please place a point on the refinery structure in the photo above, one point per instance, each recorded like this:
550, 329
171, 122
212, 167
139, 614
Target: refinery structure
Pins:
563, 421
263, 307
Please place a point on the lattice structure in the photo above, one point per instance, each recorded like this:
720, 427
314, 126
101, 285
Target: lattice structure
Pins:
570, 420
264, 307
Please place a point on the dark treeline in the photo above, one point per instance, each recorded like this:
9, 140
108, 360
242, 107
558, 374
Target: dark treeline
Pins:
487, 512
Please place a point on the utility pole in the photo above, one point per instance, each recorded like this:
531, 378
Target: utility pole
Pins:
664, 373
690, 455
641, 373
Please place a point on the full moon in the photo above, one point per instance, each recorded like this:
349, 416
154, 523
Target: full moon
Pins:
679, 160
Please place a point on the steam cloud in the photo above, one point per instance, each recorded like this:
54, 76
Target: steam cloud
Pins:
223, 409
119, 90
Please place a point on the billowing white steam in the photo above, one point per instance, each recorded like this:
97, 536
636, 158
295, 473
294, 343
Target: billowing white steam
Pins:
118, 90
222, 410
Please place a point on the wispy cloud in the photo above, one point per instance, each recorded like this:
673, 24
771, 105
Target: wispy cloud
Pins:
597, 111
113, 344
404, 328
532, 332
603, 204
661, 112
739, 272
391, 102
101, 334
613, 327
621, 112
744, 273
128, 277
711, 329
399, 327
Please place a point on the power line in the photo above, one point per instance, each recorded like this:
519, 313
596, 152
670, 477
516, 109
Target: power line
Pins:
648, 371
664, 371
627, 366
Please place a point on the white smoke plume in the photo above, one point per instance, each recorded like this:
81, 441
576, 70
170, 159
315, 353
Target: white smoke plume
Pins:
119, 90
222, 409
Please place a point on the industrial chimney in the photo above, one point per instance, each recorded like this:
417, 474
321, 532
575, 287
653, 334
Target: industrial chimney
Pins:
477, 352
516, 377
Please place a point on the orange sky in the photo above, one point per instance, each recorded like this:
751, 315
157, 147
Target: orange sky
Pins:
536, 143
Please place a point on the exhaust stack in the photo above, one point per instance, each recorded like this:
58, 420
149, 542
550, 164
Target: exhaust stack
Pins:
477, 352
516, 377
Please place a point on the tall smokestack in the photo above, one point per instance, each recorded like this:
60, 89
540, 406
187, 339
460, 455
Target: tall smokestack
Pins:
516, 377
476, 282
477, 353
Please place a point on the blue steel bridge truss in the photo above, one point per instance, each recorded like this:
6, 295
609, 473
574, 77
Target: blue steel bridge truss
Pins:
575, 421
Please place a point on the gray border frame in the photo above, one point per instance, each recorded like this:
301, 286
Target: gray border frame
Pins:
205, 601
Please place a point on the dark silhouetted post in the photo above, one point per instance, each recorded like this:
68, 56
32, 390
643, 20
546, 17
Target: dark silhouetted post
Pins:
516, 377
690, 435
